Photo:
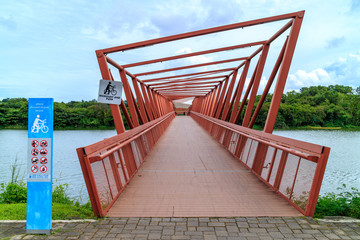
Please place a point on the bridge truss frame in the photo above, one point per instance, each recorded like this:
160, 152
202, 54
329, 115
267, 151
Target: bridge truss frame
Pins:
220, 104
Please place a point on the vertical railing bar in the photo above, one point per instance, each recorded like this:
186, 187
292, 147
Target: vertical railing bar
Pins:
107, 178
272, 164
296, 173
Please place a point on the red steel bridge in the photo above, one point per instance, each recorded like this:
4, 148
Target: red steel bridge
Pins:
210, 162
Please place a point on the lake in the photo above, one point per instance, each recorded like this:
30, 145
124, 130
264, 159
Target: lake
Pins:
343, 165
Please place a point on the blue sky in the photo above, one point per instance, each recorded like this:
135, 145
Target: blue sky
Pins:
48, 47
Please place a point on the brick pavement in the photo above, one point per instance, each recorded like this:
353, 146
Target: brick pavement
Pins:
192, 228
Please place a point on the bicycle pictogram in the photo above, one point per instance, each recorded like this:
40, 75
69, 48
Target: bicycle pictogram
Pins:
39, 125
110, 89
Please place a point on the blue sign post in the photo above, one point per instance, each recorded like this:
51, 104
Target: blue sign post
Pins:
39, 162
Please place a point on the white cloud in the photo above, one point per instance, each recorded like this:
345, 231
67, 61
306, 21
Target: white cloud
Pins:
302, 78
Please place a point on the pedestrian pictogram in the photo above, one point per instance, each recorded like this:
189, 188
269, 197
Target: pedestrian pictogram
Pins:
34, 152
43, 160
43, 143
34, 168
35, 144
43, 152
43, 169
34, 160
39, 125
110, 89
110, 92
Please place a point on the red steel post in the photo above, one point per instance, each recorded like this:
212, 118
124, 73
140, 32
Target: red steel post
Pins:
221, 99
283, 74
148, 108
268, 85
228, 97
255, 87
140, 101
129, 98
239, 91
119, 125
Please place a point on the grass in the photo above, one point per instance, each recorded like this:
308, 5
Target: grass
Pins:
17, 211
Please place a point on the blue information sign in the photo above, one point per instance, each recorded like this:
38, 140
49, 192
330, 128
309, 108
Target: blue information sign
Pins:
39, 162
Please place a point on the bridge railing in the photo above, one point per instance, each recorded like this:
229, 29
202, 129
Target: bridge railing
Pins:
110, 164
294, 169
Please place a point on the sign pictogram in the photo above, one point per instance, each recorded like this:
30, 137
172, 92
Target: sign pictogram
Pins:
39, 165
34, 152
43, 169
110, 92
43, 160
43, 143
34, 143
43, 152
34, 160
34, 168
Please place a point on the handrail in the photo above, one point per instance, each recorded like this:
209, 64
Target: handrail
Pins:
120, 145
287, 149
276, 167
120, 157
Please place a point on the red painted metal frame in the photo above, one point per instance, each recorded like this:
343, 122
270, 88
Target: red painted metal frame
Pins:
232, 136
126, 148
217, 99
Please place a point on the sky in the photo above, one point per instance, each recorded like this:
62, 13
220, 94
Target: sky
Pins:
48, 47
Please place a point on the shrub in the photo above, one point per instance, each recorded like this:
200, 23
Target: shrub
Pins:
13, 192
345, 203
59, 194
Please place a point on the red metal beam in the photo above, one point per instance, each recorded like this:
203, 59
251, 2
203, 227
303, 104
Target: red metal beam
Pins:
283, 73
189, 74
200, 32
187, 80
186, 55
189, 66
105, 73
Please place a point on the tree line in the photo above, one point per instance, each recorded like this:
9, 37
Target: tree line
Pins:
335, 105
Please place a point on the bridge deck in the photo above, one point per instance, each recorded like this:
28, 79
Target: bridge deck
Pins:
189, 174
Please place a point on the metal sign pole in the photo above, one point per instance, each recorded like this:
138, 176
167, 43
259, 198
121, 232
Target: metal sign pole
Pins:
39, 165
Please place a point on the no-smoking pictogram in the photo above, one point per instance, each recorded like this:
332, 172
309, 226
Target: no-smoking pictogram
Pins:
34, 152
43, 152
43, 143
43, 169
43, 160
34, 168
34, 143
34, 160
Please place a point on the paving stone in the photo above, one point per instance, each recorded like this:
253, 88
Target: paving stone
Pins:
205, 229
192, 228
232, 229
178, 219
221, 233
204, 219
193, 223
154, 235
216, 224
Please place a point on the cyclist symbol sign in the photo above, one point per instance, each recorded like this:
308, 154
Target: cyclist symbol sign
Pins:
110, 92
39, 125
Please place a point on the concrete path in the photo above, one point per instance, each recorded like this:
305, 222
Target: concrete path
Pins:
192, 228
189, 174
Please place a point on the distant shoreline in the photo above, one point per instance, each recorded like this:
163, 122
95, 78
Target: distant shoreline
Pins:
315, 128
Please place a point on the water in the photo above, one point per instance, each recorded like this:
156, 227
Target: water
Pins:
66, 166
343, 165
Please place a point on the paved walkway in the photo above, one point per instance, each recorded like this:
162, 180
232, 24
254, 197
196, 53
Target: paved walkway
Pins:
189, 174
192, 228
